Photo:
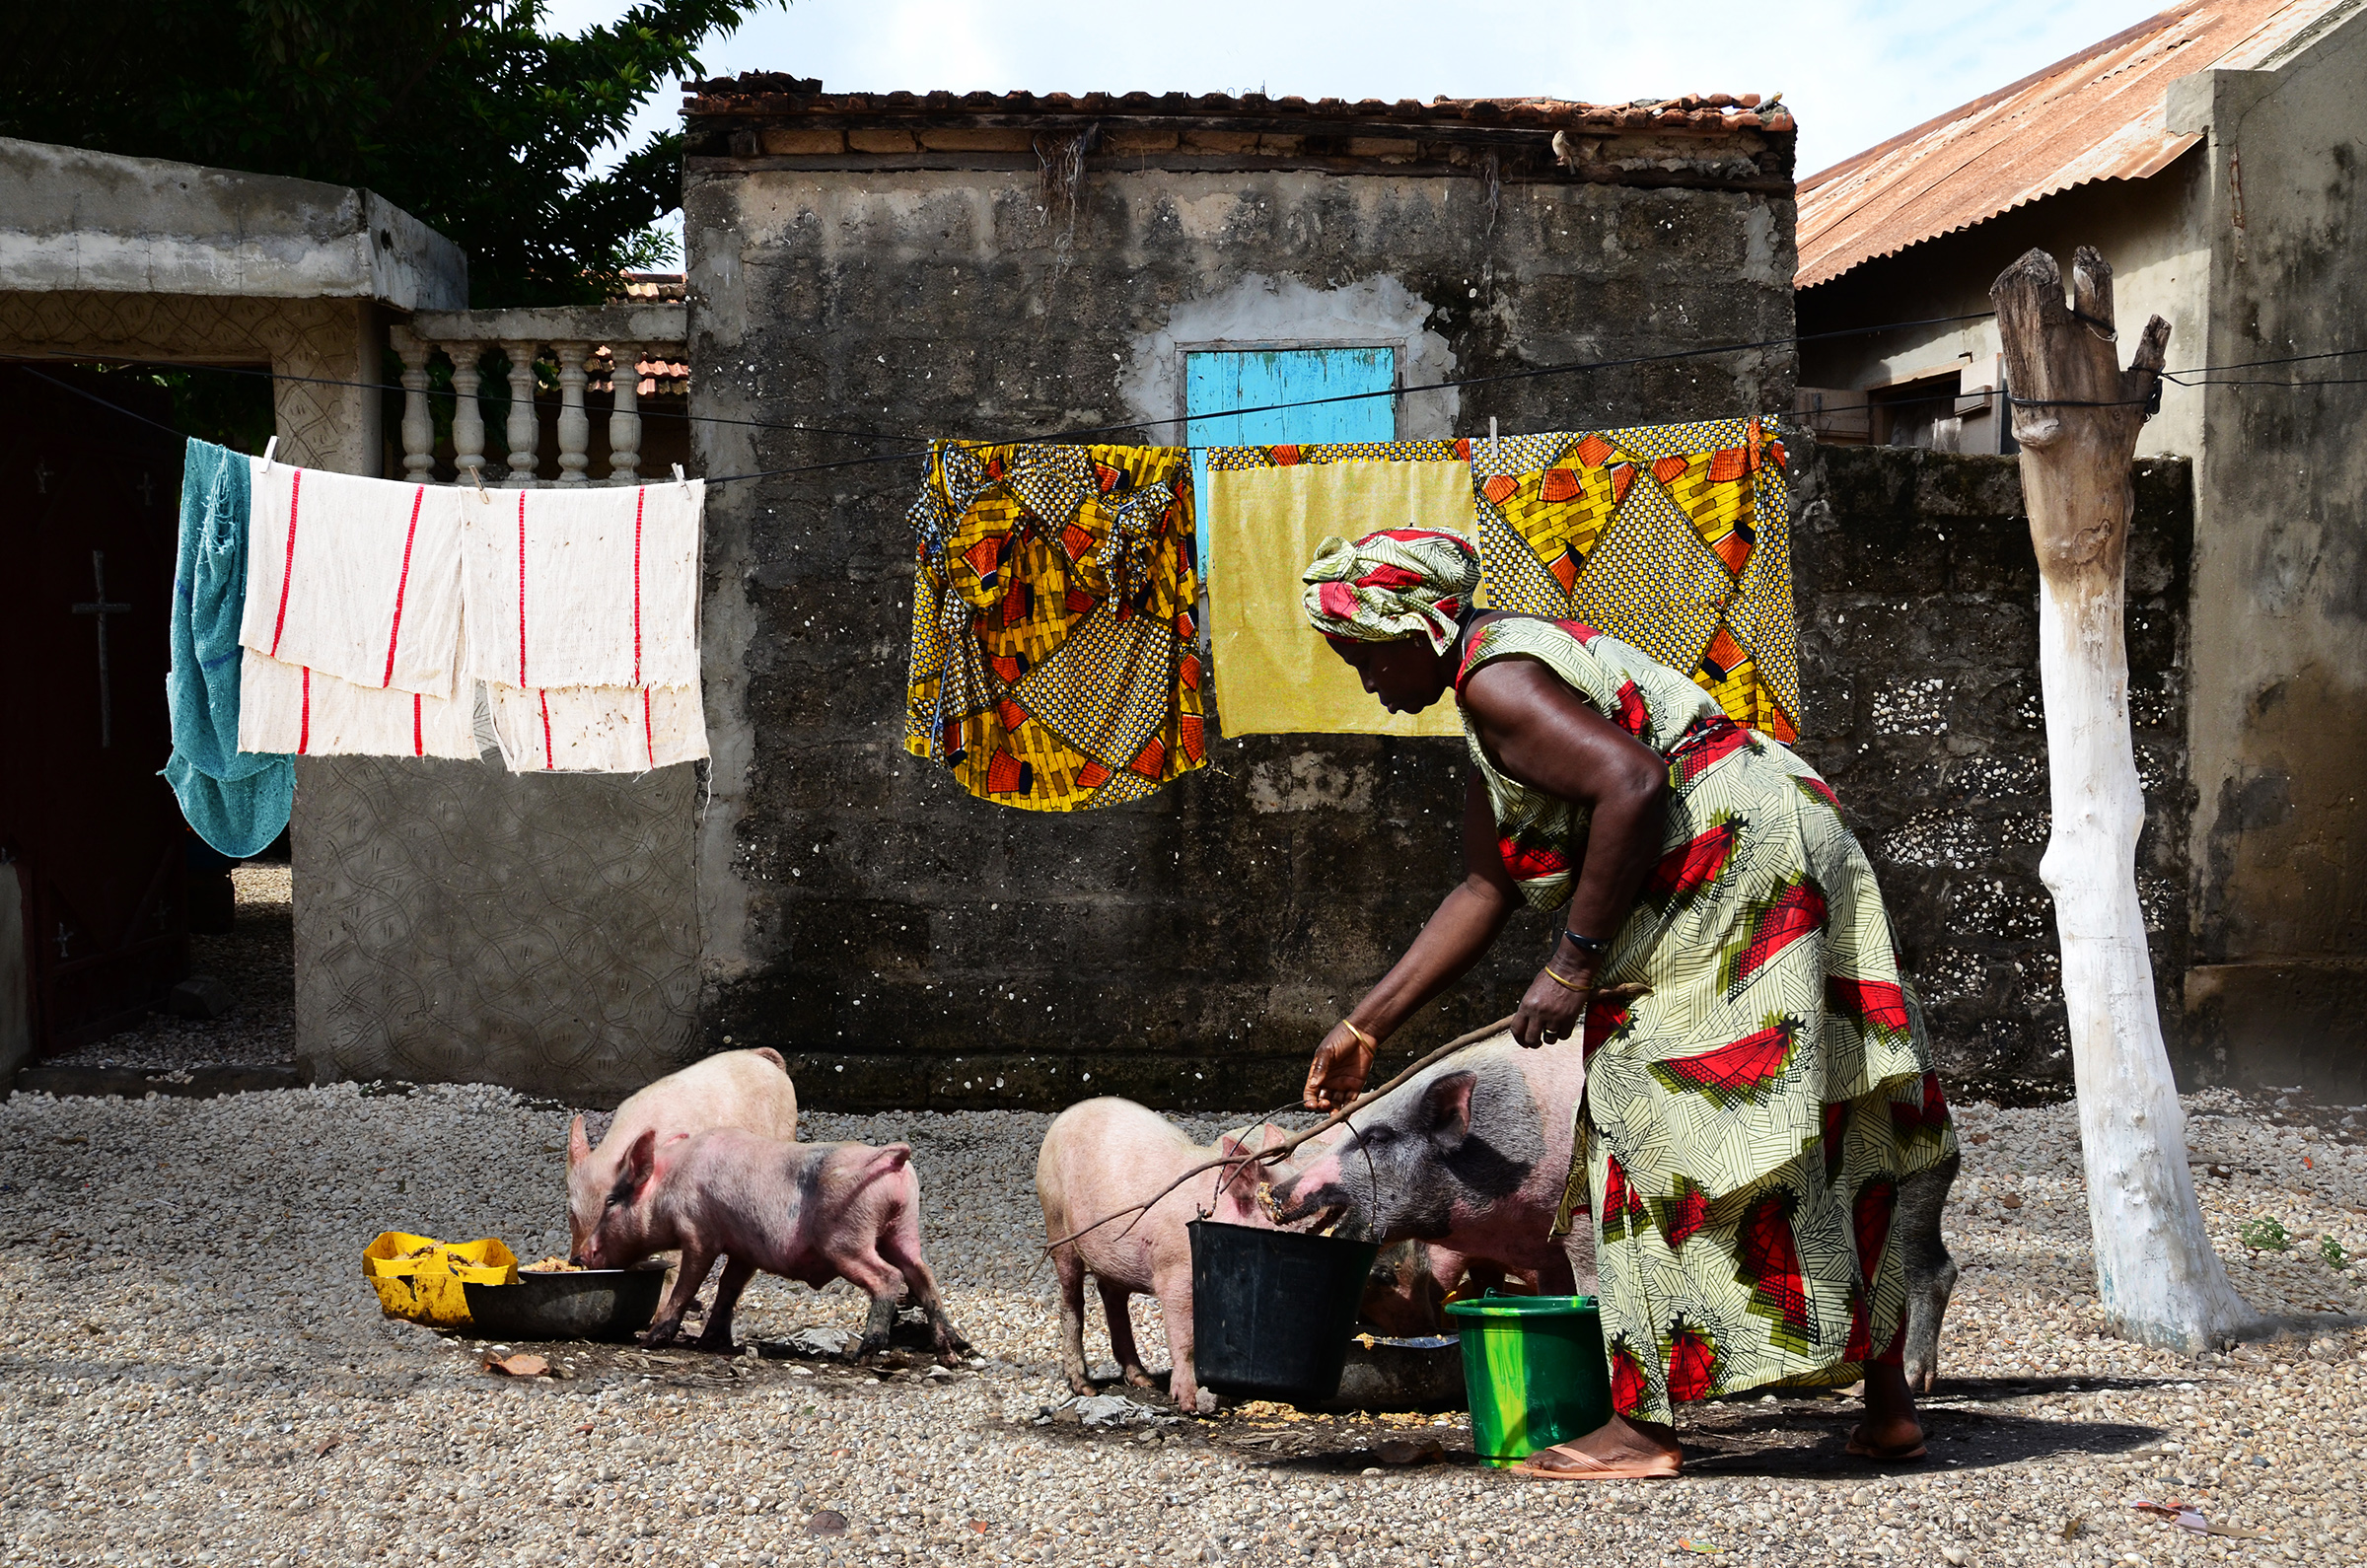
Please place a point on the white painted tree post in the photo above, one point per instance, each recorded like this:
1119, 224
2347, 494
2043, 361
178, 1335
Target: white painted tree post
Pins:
2077, 414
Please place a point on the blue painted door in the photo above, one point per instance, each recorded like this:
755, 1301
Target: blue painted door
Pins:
1221, 379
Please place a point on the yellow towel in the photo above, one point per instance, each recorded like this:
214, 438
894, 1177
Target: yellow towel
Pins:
1273, 675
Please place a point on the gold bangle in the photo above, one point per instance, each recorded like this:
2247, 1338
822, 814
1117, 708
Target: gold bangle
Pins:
1369, 1043
1567, 985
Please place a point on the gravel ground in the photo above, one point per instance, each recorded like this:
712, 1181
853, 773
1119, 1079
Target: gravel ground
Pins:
191, 1369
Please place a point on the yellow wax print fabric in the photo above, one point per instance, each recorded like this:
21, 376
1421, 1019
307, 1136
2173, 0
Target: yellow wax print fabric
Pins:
1055, 663
1268, 508
1675, 539
1747, 1125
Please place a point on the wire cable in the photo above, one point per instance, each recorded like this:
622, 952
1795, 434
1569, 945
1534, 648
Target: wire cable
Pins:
110, 406
1527, 373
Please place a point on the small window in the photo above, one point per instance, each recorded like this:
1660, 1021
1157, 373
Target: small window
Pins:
1220, 379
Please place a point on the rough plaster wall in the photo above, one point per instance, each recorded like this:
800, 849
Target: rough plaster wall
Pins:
1918, 606
456, 922
2152, 231
2280, 589
1261, 310
909, 945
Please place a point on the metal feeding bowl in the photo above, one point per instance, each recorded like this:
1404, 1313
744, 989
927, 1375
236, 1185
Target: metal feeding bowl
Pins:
577, 1304
1385, 1374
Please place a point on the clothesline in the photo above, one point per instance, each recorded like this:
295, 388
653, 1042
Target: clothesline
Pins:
1132, 425
2184, 377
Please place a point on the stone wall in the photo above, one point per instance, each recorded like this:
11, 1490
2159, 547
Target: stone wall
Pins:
2279, 991
1918, 609
908, 945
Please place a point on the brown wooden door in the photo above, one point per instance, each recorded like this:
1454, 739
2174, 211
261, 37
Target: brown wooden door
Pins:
89, 503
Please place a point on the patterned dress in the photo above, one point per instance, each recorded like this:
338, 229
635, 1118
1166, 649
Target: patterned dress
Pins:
1746, 1128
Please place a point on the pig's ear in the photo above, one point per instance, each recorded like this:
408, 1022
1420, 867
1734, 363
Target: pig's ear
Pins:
579, 1147
1227, 1146
886, 1161
1447, 1107
640, 1161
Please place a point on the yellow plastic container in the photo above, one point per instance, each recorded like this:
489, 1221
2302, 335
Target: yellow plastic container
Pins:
419, 1277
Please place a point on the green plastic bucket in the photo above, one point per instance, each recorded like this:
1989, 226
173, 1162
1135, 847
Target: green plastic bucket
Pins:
1535, 1371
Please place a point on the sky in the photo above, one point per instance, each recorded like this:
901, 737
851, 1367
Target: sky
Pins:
1854, 71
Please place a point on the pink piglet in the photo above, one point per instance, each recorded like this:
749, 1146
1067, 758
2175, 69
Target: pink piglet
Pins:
810, 1211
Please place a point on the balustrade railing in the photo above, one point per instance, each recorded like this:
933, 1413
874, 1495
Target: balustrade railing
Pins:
566, 341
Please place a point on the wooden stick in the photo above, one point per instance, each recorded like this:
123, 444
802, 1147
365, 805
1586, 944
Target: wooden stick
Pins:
1280, 1150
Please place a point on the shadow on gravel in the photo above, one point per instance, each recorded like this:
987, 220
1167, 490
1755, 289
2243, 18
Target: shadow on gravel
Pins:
1982, 1390
1810, 1441
1801, 1438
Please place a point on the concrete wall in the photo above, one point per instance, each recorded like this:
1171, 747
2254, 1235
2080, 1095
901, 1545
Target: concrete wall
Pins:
1918, 603
454, 921
2153, 232
909, 945
2279, 990
81, 220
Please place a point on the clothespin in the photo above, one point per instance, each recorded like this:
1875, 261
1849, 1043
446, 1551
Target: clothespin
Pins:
479, 480
269, 447
679, 479
1492, 437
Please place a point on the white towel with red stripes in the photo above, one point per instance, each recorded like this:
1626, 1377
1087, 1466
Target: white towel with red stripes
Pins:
376, 609
596, 729
356, 578
585, 588
583, 623
293, 708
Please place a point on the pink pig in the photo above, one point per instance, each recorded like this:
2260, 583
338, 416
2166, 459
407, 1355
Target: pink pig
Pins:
810, 1211
1098, 1157
747, 1088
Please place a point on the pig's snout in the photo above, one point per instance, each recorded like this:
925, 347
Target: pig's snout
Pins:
1291, 1202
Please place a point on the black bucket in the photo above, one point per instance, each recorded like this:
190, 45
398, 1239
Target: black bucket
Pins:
1271, 1310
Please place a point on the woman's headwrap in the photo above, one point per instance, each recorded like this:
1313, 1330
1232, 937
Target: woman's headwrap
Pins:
1396, 583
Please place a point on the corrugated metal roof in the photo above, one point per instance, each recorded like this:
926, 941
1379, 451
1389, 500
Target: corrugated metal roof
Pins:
775, 94
2097, 115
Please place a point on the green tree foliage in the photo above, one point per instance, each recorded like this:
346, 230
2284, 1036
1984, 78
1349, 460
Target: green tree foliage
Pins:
465, 112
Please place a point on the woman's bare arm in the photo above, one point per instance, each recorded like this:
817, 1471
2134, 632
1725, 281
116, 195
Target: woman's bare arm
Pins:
1466, 924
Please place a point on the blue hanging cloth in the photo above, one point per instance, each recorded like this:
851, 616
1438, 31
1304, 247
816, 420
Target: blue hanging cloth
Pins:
237, 801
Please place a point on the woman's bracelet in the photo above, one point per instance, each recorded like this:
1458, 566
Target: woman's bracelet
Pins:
1594, 944
1366, 1041
1565, 984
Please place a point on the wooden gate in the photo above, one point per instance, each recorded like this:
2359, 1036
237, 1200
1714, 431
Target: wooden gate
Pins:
87, 508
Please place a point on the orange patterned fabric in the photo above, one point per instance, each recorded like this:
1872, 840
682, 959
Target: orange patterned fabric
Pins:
1054, 653
1658, 536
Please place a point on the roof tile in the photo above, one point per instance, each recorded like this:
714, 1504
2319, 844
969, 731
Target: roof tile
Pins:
774, 94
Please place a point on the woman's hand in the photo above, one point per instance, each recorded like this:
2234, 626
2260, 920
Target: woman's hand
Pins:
1551, 1010
1341, 1064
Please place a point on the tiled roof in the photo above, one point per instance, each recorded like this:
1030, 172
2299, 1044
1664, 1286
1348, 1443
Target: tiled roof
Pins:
667, 287
2097, 115
772, 94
